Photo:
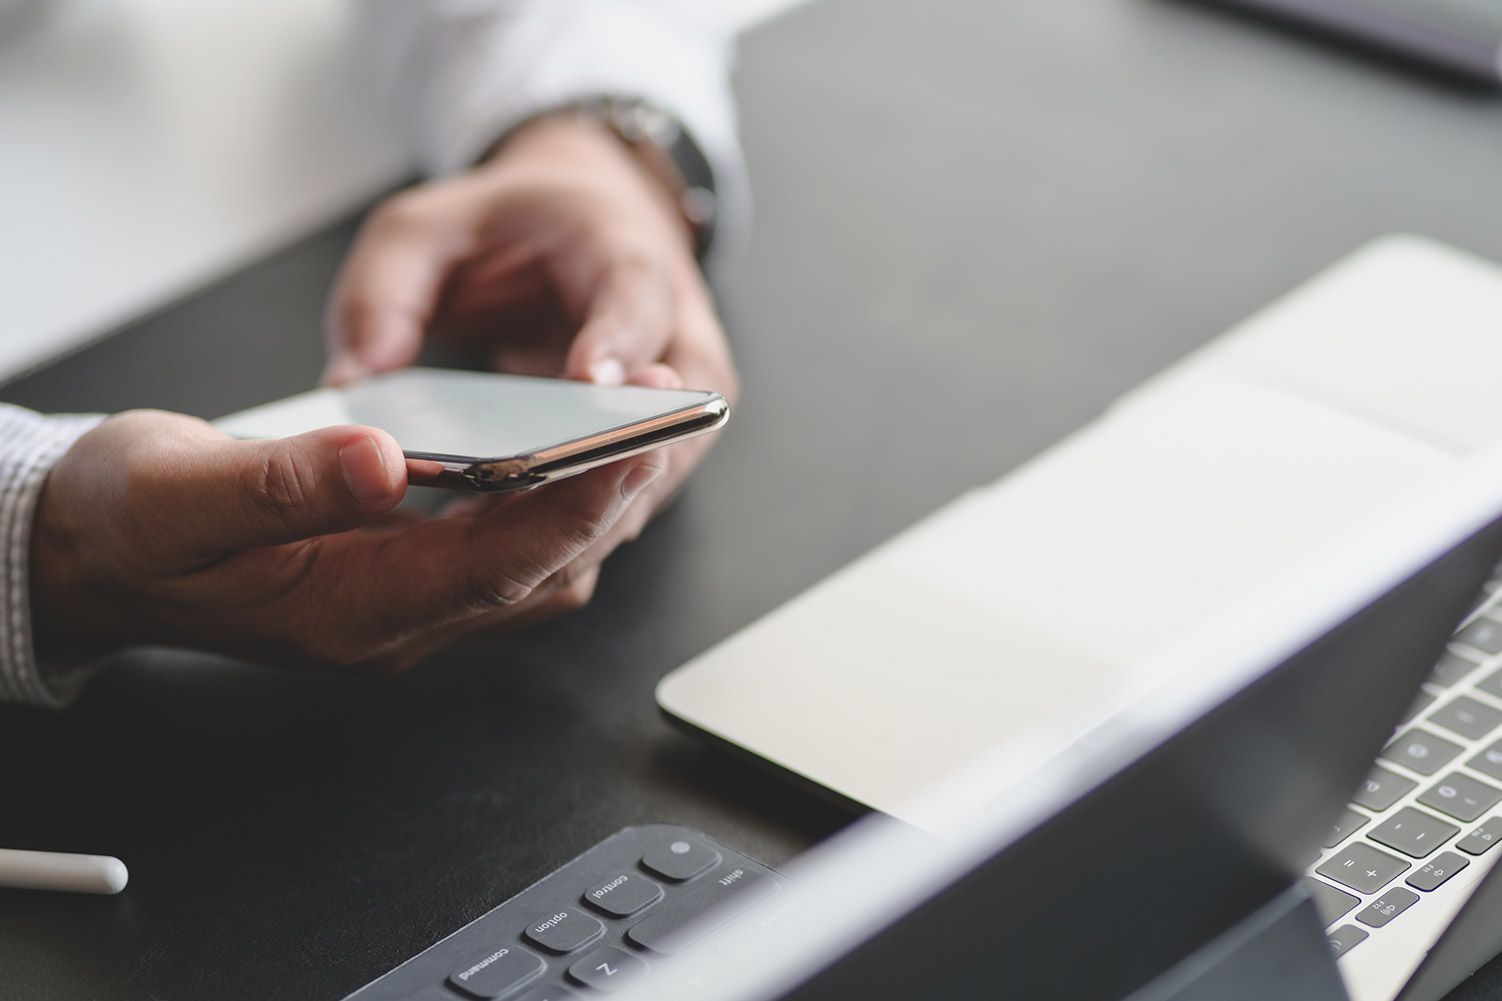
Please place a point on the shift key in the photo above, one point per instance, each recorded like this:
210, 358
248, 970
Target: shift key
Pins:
700, 908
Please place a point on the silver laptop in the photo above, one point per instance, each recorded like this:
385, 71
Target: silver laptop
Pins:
1463, 36
997, 635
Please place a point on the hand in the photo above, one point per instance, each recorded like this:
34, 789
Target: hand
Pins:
156, 528
559, 256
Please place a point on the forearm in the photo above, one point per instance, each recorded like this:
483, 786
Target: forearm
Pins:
462, 76
30, 445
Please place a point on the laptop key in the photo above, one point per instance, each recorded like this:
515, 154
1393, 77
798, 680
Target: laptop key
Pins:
1344, 938
1479, 841
680, 860
497, 972
1483, 634
608, 969
698, 909
565, 930
1383, 788
544, 994
1491, 684
1467, 717
1363, 868
1349, 823
1393, 902
1489, 761
1436, 871
1461, 796
1413, 832
1452, 667
1421, 751
1332, 904
1418, 705
624, 895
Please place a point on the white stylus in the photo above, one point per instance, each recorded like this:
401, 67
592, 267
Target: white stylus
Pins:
23, 870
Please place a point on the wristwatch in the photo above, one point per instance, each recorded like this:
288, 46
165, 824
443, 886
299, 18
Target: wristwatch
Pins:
667, 150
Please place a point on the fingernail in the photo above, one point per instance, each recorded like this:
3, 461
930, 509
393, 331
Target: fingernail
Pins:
607, 372
638, 480
364, 467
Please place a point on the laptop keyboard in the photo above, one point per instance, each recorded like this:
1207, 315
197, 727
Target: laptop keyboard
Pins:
1428, 809
597, 925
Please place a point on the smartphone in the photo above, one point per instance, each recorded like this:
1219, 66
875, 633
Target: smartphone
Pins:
490, 432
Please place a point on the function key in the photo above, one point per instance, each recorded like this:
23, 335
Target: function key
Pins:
1483, 634
1386, 907
1421, 751
1438, 869
1467, 717
1482, 838
1413, 832
680, 859
1382, 789
1461, 796
608, 969
1362, 867
1452, 666
566, 930
623, 895
1349, 823
1343, 938
497, 972
1331, 903
1489, 761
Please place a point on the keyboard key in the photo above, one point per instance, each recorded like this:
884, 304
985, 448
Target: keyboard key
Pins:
1467, 717
680, 860
1349, 823
1453, 666
1461, 796
1491, 684
1363, 868
1482, 838
1438, 869
1344, 937
544, 994
1483, 634
1413, 832
1332, 904
682, 921
1489, 761
1382, 789
1386, 907
1418, 705
565, 931
496, 973
1421, 751
608, 969
624, 895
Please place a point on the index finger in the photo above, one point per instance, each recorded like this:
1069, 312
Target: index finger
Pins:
387, 290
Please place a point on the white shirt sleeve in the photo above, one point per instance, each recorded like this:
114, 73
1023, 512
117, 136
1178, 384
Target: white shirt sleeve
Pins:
30, 446
461, 73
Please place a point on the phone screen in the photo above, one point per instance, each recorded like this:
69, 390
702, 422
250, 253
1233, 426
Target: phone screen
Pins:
477, 415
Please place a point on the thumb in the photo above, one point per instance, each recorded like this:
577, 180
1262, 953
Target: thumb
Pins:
246, 494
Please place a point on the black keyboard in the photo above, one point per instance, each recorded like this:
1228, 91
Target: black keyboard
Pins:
1426, 818
596, 925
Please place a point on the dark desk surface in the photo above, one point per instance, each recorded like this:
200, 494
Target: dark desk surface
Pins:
978, 222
